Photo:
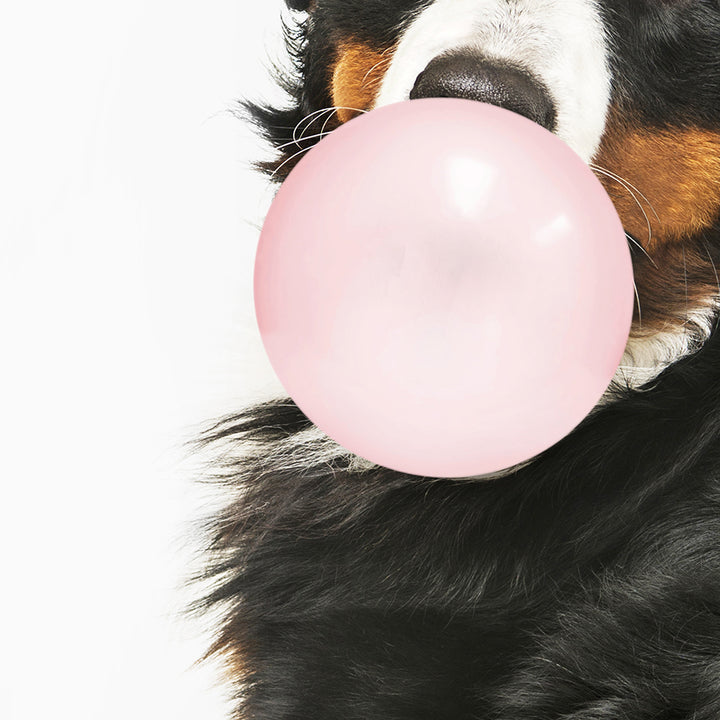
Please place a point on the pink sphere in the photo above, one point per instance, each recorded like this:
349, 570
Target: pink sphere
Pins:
443, 287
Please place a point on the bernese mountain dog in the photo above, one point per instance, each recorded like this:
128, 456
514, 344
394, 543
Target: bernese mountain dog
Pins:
585, 584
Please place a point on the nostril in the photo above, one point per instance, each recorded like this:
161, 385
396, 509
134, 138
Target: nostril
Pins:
473, 77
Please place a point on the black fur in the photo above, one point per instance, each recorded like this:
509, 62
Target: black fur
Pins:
298, 4
665, 60
585, 586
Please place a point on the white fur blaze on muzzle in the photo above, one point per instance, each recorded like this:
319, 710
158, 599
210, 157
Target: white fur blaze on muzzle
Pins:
562, 43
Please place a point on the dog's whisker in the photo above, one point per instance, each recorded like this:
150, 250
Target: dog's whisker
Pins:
303, 150
687, 309
309, 118
634, 241
324, 125
316, 116
327, 120
717, 279
383, 61
624, 184
287, 160
614, 176
305, 137
637, 298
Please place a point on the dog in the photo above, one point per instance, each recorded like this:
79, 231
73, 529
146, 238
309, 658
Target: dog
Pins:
585, 584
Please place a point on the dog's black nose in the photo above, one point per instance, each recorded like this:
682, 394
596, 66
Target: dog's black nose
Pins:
464, 75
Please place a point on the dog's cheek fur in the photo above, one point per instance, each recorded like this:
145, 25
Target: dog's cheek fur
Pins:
357, 76
668, 198
677, 170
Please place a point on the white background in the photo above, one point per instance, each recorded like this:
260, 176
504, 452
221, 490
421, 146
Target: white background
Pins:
128, 217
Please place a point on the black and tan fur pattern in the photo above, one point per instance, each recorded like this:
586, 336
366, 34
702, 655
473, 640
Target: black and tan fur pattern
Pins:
583, 586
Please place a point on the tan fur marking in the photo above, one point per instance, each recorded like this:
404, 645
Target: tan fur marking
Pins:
677, 170
357, 77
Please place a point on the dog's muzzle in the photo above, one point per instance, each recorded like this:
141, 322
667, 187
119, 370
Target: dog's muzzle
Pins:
473, 77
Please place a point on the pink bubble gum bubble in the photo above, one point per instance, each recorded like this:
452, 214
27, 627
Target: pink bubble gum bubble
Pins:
443, 287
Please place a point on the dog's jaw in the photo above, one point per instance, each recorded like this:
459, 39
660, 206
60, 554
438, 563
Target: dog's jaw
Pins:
561, 42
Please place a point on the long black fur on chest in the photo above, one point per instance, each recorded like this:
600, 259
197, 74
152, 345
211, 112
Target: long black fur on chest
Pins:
585, 586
